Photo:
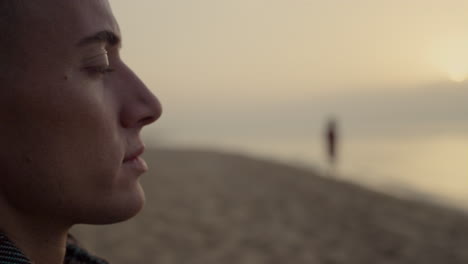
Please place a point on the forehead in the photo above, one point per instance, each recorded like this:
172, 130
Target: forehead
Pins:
68, 20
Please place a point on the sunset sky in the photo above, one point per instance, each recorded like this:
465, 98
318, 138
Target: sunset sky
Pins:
237, 63
297, 43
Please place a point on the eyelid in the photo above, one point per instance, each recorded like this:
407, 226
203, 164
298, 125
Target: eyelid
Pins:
97, 58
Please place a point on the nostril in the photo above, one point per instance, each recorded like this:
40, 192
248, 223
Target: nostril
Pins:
141, 115
148, 120
153, 114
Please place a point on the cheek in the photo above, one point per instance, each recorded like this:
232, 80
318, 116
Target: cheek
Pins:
65, 130
89, 155
74, 118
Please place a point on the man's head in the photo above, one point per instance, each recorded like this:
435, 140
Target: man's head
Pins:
71, 113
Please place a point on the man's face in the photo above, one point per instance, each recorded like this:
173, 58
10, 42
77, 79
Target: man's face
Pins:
72, 116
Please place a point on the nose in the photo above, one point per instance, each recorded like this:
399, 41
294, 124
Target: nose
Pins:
141, 107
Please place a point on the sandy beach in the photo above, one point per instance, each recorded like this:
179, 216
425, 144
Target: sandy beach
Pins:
207, 207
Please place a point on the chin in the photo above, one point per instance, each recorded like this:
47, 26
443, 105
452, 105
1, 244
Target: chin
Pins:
117, 209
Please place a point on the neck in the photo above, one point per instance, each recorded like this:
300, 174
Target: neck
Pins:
43, 241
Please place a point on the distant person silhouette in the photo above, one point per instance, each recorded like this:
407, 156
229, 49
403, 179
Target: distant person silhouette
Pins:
331, 137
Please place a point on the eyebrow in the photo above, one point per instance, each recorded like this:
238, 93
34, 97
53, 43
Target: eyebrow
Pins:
105, 36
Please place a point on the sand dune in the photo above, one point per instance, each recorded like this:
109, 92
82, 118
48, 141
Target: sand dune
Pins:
206, 207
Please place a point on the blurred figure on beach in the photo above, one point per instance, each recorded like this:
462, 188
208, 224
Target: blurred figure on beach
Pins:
331, 139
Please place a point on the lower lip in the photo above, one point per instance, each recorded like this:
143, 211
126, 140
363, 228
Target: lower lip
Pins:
138, 164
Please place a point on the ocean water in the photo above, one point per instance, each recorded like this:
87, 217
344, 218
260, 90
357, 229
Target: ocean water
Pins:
427, 167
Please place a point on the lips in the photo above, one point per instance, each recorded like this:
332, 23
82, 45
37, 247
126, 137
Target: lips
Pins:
134, 155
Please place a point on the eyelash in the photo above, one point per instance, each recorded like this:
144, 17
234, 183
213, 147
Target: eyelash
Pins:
100, 70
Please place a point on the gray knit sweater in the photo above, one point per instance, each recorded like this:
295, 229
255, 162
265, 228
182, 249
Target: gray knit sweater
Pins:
10, 254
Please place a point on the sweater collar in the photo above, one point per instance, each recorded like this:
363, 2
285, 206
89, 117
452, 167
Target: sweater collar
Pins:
11, 254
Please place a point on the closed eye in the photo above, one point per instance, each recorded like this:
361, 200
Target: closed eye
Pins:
104, 69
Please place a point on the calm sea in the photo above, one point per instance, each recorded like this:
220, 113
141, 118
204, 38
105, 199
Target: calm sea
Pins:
428, 167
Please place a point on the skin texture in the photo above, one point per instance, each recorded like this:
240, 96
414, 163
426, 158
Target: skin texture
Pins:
72, 113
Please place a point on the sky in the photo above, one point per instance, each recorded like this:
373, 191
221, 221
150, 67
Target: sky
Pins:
263, 66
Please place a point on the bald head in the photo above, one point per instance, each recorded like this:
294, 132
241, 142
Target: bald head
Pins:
9, 27
8, 9
26, 23
13, 31
8, 18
